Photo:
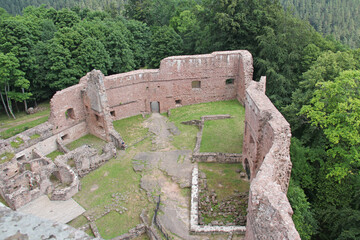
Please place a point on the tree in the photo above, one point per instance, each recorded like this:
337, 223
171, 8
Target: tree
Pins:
139, 41
187, 26
303, 217
11, 80
165, 42
92, 55
120, 53
326, 68
335, 109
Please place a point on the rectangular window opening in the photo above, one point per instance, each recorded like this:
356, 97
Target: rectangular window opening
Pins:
196, 84
21, 158
112, 113
229, 81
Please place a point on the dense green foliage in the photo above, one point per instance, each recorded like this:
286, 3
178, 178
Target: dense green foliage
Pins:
16, 7
339, 18
313, 81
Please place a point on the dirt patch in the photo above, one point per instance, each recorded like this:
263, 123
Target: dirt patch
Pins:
106, 173
94, 187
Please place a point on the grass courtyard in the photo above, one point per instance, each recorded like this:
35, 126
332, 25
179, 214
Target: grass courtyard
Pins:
117, 177
219, 135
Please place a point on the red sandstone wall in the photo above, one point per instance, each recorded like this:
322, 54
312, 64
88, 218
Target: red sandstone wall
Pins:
131, 93
266, 148
62, 101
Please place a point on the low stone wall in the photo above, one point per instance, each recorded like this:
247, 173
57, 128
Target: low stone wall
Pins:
87, 159
49, 144
217, 157
214, 157
67, 192
135, 232
194, 212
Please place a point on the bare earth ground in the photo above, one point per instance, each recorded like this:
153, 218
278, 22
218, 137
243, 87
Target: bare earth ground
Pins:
167, 173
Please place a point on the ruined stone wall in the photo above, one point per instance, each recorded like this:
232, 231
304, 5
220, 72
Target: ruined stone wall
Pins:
181, 80
67, 108
266, 152
48, 145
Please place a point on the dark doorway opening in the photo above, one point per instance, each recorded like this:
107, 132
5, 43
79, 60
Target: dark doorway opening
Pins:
155, 107
247, 168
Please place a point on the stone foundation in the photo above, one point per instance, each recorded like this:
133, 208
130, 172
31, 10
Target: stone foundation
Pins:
194, 212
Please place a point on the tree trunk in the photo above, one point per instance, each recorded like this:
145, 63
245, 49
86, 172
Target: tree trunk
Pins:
25, 103
3, 102
16, 106
9, 102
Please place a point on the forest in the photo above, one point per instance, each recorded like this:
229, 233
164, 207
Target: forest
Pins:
333, 18
338, 18
314, 81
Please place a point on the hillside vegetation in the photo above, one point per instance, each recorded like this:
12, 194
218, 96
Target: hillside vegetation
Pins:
16, 7
313, 81
338, 18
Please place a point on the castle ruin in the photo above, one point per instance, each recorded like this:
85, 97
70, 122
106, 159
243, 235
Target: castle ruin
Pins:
92, 105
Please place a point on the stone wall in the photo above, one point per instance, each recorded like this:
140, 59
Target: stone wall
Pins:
172, 85
92, 105
25, 180
266, 155
86, 159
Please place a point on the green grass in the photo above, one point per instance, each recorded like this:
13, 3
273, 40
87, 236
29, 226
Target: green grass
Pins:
225, 181
3, 201
131, 129
35, 136
187, 138
78, 222
12, 131
223, 178
88, 139
54, 154
21, 116
17, 142
5, 157
214, 139
116, 176
23, 121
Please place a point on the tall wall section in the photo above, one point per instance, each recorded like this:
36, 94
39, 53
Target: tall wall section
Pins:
266, 155
181, 80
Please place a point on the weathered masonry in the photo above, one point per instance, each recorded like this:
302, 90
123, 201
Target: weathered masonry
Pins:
92, 105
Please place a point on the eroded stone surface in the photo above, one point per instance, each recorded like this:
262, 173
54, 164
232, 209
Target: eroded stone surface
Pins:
13, 224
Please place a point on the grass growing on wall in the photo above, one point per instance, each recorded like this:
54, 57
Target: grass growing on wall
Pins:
5, 157
54, 154
187, 138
